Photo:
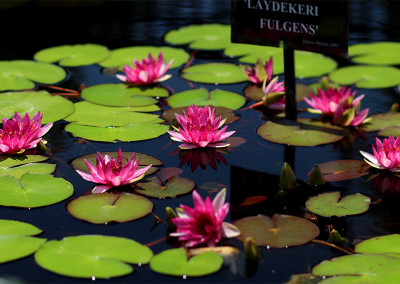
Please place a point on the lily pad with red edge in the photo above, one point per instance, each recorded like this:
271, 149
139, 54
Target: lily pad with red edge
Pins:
382, 120
109, 207
22, 74
304, 132
73, 55
92, 256
376, 53
255, 92
367, 76
16, 241
169, 114
145, 160
343, 170
125, 55
277, 232
175, 262
212, 36
213, 73
330, 204
122, 95
203, 97
155, 187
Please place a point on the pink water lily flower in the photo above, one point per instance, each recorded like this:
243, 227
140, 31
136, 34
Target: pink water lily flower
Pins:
204, 224
386, 155
200, 128
21, 133
111, 173
147, 72
340, 104
260, 72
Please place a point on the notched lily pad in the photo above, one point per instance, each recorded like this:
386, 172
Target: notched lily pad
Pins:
34, 168
388, 245
213, 73
90, 256
343, 170
223, 112
277, 232
381, 121
203, 97
109, 207
175, 262
376, 53
304, 132
7, 161
330, 204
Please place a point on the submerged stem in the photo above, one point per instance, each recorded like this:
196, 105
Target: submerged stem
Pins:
332, 246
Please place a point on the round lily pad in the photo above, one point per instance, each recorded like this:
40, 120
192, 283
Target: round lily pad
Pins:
174, 186
382, 120
202, 97
33, 190
122, 95
73, 55
132, 132
388, 244
53, 108
96, 115
277, 232
202, 37
90, 256
175, 262
392, 130
213, 73
223, 112
34, 168
14, 227
7, 161
343, 170
21, 74
304, 132
369, 77
376, 53
330, 204
121, 56
109, 207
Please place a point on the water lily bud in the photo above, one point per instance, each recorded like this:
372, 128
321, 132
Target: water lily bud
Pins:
251, 249
324, 83
335, 237
288, 178
316, 177
170, 214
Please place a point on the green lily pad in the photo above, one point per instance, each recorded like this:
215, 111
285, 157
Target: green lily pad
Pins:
277, 232
376, 53
202, 97
94, 256
382, 120
34, 168
224, 113
359, 269
132, 132
53, 108
304, 132
202, 37
175, 262
255, 92
343, 170
369, 77
96, 115
21, 74
122, 95
33, 190
213, 73
109, 207
174, 186
7, 161
388, 244
392, 130
15, 240
330, 204
73, 55
121, 56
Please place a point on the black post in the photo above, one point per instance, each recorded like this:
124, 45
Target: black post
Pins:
290, 84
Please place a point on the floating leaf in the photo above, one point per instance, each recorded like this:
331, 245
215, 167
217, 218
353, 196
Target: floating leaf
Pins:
96, 115
224, 113
73, 55
121, 56
369, 77
277, 232
90, 256
21, 74
53, 108
255, 92
388, 244
174, 186
15, 242
343, 170
132, 132
175, 262
214, 73
122, 95
304, 132
34, 168
202, 97
392, 130
202, 37
382, 120
376, 53
33, 190
7, 161
109, 207
329, 204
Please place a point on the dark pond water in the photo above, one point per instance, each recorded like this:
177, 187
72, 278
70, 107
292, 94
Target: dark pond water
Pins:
251, 168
